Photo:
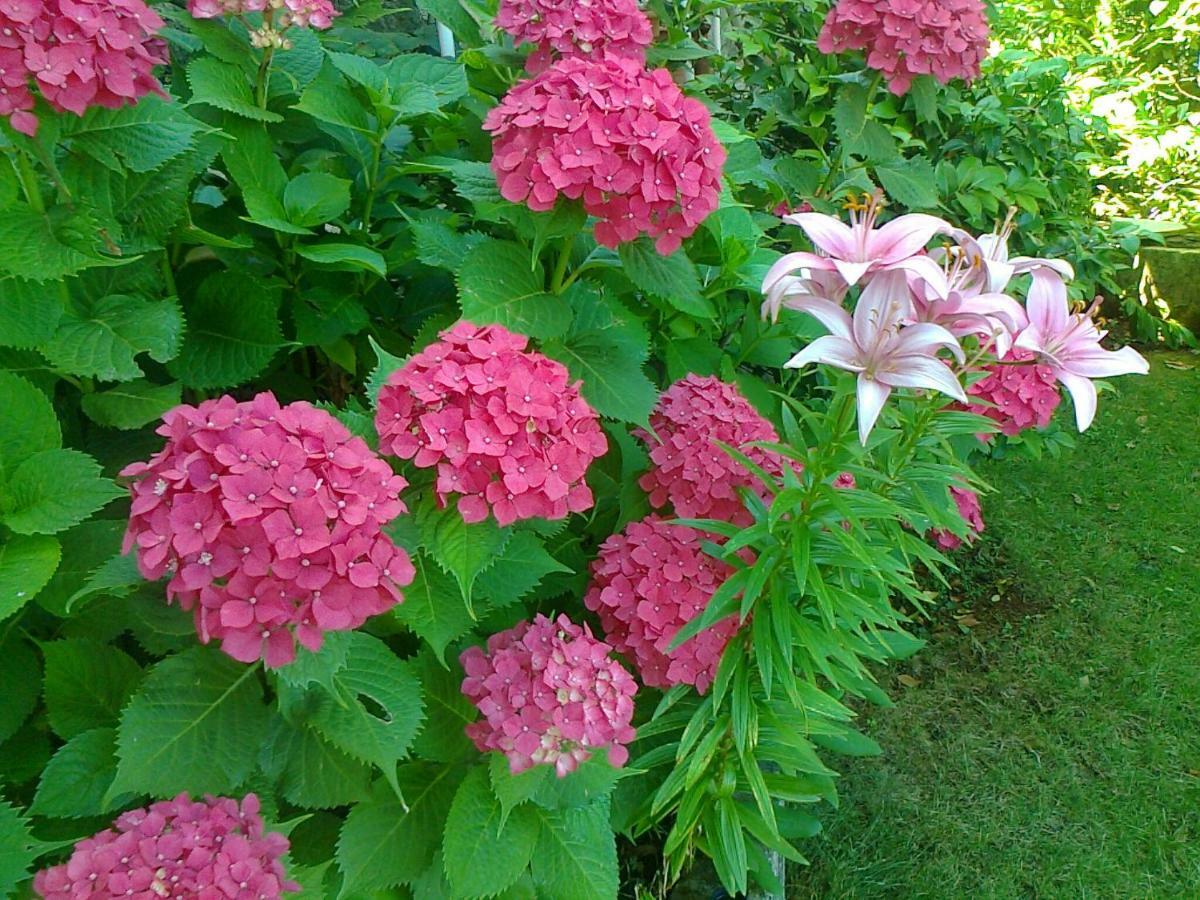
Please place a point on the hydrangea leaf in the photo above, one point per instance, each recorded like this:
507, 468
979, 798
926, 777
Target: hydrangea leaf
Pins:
131, 405
463, 550
27, 563
29, 313
27, 421
139, 138
576, 854
312, 773
433, 607
383, 844
320, 667
861, 135
314, 198
117, 576
484, 852
18, 849
53, 490
48, 247
447, 712
517, 571
87, 684
221, 85
376, 706
910, 182
329, 99
513, 790
499, 283
195, 725
233, 334
445, 78
385, 365
672, 278
442, 247
102, 338
77, 778
21, 675
344, 257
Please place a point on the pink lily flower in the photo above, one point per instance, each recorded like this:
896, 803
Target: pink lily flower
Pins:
991, 251
956, 302
877, 345
790, 289
858, 250
1070, 344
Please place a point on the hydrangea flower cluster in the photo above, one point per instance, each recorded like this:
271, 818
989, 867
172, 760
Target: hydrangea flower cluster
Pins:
571, 28
647, 583
640, 155
550, 695
214, 849
1018, 397
268, 519
503, 425
279, 16
969, 508
78, 53
905, 38
690, 472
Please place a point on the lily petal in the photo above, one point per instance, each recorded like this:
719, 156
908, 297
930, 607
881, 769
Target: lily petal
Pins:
789, 263
884, 304
829, 314
872, 395
1083, 394
1047, 302
852, 271
832, 235
1101, 363
904, 236
1022, 264
830, 350
923, 372
925, 338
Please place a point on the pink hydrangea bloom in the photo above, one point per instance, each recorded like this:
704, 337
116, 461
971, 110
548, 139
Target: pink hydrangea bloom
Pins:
269, 521
504, 425
967, 502
550, 694
647, 583
640, 155
571, 28
214, 849
905, 38
301, 13
78, 54
690, 472
1018, 397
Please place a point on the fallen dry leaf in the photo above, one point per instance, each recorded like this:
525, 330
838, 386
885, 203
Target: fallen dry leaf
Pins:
909, 681
1175, 364
967, 621
1142, 420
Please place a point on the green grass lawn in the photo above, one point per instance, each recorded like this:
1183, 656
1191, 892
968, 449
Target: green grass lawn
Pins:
1052, 748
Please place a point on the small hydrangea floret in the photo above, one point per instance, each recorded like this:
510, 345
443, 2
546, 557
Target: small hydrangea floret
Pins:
268, 520
969, 508
1017, 393
647, 583
947, 39
212, 849
550, 694
279, 16
640, 155
505, 427
690, 472
78, 55
571, 28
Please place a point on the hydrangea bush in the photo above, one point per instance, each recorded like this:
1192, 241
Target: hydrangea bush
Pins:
436, 472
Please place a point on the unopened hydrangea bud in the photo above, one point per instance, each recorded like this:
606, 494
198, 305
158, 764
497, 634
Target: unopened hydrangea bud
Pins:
269, 524
550, 694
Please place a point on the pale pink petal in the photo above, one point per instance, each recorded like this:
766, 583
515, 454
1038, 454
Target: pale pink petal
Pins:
872, 395
833, 236
923, 372
1083, 394
904, 236
1047, 302
1100, 363
789, 263
884, 304
852, 271
926, 338
1000, 306
830, 350
1022, 264
829, 314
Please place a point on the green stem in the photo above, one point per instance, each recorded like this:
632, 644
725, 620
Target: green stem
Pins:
560, 269
840, 154
262, 83
373, 183
29, 183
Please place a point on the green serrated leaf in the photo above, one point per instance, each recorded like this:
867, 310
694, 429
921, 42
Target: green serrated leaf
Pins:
440, 246
101, 339
445, 78
498, 284
518, 570
314, 198
18, 849
87, 684
861, 135
53, 490
312, 773
576, 854
234, 332
484, 852
195, 725
513, 790
910, 182
613, 380
383, 844
329, 99
77, 778
131, 405
447, 712
433, 607
21, 675
224, 86
382, 732
463, 550
28, 424
48, 247
344, 257
29, 313
138, 138
27, 563
320, 667
672, 278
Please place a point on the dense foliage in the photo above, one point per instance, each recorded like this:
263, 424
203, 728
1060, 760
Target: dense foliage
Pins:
425, 354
